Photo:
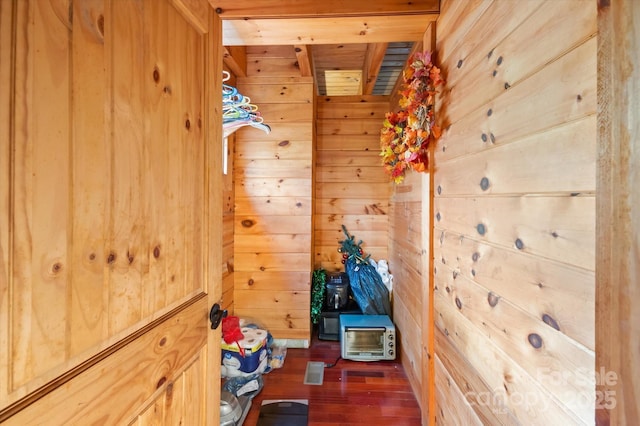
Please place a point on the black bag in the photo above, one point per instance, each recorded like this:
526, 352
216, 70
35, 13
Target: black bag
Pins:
368, 289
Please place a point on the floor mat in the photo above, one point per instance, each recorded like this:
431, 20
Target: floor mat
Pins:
294, 412
314, 375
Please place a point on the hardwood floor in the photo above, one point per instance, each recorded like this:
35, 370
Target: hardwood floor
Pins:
352, 393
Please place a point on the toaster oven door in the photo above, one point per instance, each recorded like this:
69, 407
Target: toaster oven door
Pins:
363, 343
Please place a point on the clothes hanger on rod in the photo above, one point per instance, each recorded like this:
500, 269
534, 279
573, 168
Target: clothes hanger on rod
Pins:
238, 111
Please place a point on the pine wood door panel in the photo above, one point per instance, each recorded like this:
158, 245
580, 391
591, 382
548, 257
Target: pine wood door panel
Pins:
37, 165
105, 241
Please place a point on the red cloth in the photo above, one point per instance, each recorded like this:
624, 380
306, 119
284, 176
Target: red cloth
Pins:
231, 331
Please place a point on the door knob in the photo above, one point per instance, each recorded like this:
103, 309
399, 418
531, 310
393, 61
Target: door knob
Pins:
215, 315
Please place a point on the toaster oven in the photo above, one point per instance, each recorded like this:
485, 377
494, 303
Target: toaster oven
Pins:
367, 337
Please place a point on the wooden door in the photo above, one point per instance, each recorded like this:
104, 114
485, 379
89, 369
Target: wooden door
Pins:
110, 200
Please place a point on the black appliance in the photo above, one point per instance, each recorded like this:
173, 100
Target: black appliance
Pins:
338, 300
337, 291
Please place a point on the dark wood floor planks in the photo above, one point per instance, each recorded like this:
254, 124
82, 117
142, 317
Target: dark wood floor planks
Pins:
353, 393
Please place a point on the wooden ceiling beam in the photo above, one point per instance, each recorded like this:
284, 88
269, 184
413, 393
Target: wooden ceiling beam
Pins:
303, 55
311, 31
372, 63
235, 58
234, 9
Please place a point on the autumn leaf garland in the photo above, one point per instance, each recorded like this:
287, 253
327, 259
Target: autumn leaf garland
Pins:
406, 134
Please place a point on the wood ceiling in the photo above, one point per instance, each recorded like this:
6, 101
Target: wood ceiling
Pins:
345, 45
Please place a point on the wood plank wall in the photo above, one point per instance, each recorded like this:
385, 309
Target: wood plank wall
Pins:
273, 197
410, 226
351, 186
515, 212
407, 255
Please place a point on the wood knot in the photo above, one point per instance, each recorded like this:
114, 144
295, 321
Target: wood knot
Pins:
548, 319
100, 24
161, 382
169, 394
283, 143
248, 223
163, 341
481, 229
156, 252
251, 282
519, 244
492, 299
484, 183
535, 340
111, 258
458, 303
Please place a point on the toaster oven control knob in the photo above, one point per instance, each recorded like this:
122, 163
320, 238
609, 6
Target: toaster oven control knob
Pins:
391, 337
391, 344
390, 351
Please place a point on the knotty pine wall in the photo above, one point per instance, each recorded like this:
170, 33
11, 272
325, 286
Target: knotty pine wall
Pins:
408, 261
273, 197
351, 186
514, 235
